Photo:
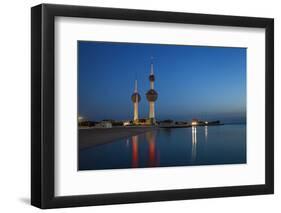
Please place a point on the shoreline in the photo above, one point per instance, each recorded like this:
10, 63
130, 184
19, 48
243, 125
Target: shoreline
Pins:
187, 126
89, 137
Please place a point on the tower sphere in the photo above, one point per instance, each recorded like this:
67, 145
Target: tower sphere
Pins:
151, 95
151, 78
136, 97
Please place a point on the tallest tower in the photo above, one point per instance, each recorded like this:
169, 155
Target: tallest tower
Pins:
151, 95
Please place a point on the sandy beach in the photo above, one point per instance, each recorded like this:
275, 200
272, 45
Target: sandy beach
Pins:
95, 136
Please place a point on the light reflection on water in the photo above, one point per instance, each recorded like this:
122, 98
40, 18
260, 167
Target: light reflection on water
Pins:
206, 133
224, 144
194, 143
135, 158
151, 139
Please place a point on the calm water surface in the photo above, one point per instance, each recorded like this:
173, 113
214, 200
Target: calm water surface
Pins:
225, 144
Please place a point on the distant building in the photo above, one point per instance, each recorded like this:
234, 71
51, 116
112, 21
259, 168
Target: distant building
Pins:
104, 124
126, 123
194, 122
166, 123
181, 123
82, 122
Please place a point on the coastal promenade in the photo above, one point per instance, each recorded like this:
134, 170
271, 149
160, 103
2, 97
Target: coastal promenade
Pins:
95, 136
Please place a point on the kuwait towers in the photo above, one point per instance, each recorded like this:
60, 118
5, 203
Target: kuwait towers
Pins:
151, 96
136, 99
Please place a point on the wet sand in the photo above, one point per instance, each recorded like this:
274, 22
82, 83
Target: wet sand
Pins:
96, 136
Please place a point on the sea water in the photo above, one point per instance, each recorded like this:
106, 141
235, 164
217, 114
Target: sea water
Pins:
201, 145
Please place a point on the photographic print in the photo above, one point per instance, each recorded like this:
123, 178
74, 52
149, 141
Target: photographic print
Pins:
162, 98
158, 105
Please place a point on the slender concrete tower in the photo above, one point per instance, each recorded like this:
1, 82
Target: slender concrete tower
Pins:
136, 99
151, 95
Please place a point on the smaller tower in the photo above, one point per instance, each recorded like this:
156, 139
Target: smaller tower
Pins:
136, 99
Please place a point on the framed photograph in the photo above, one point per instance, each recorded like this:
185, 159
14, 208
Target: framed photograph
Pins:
139, 106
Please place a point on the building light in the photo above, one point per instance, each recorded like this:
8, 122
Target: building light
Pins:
126, 123
194, 123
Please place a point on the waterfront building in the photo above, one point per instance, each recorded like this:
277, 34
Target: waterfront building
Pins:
126, 123
104, 124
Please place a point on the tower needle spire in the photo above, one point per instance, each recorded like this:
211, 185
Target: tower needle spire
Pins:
151, 66
136, 85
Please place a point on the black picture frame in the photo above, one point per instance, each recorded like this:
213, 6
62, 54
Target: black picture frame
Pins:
43, 117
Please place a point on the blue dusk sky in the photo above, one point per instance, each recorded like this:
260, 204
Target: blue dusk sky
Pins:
207, 83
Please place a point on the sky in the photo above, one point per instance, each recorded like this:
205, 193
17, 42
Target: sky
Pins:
207, 83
